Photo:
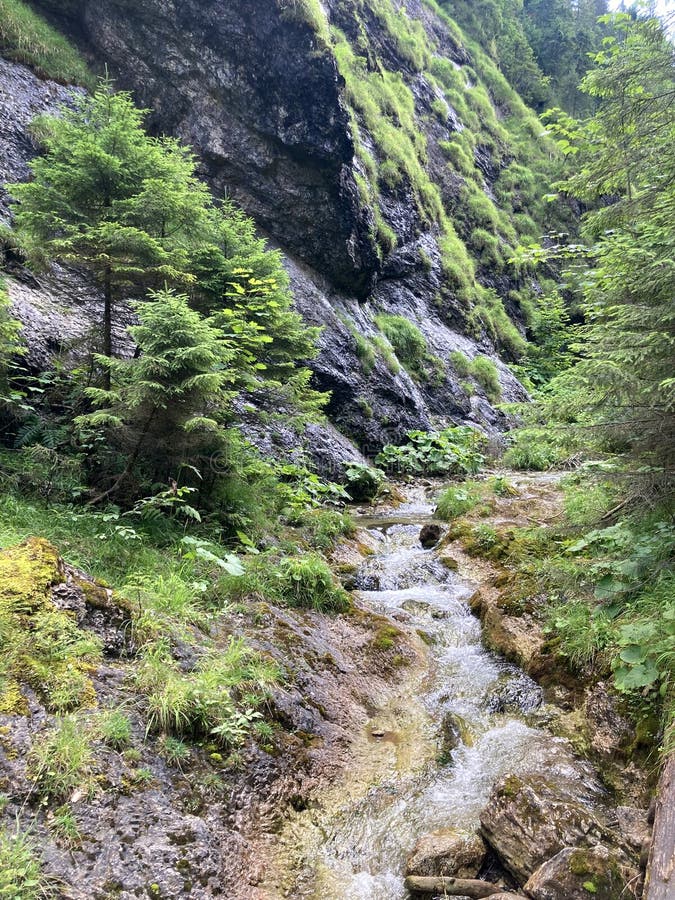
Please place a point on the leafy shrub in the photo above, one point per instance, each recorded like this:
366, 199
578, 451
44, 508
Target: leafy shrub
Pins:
502, 487
457, 500
453, 451
407, 340
535, 449
308, 582
461, 363
362, 482
646, 642
323, 527
218, 698
173, 749
115, 728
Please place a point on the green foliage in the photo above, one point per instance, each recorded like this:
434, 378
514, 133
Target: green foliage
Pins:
409, 345
485, 373
622, 385
303, 581
131, 210
43, 646
159, 403
27, 38
64, 827
62, 760
542, 46
461, 363
362, 482
386, 351
582, 633
173, 749
458, 499
127, 207
646, 642
535, 448
448, 452
322, 528
115, 728
307, 582
219, 698
548, 352
21, 875
10, 345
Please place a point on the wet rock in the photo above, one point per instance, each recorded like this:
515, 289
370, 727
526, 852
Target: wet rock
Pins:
447, 852
519, 638
430, 535
517, 692
257, 94
580, 873
449, 562
527, 822
633, 826
609, 731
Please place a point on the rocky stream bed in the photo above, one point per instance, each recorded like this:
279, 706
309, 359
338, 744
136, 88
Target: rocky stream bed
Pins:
426, 743
456, 785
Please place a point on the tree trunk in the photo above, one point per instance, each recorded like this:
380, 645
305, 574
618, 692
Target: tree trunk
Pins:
660, 884
452, 887
107, 322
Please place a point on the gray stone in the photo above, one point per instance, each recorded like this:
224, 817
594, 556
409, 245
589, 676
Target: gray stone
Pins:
579, 873
447, 852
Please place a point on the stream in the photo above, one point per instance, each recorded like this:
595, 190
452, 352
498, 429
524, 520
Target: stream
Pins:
357, 849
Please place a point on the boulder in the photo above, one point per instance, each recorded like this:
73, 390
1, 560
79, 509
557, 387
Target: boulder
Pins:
519, 638
430, 535
447, 852
580, 873
526, 822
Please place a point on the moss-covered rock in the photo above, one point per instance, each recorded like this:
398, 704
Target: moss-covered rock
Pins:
584, 873
527, 821
44, 646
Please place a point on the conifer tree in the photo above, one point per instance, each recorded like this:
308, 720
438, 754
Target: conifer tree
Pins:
623, 386
164, 402
109, 198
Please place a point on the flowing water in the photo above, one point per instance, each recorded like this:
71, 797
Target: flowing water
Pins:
359, 850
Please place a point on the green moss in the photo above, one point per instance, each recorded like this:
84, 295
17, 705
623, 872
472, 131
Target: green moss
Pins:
386, 638
27, 38
43, 646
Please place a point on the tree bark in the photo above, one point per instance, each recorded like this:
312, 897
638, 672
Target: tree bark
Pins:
660, 884
452, 887
107, 323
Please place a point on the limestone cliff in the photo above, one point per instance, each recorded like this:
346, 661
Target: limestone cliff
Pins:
382, 151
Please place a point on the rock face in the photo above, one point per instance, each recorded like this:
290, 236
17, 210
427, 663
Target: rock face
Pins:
449, 852
256, 89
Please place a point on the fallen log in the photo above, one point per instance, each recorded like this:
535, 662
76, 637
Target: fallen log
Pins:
452, 887
660, 883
